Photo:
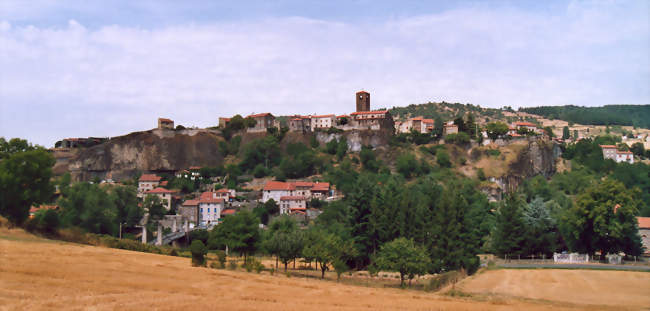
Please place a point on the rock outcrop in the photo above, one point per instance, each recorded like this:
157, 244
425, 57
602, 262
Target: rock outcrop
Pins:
539, 158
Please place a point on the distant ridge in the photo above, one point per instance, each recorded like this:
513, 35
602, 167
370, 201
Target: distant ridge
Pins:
632, 115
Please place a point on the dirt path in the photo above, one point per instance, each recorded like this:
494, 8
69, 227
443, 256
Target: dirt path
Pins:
41, 274
620, 289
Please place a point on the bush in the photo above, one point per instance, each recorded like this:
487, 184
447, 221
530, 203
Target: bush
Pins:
253, 264
215, 265
460, 138
198, 250
481, 174
443, 280
493, 152
221, 257
259, 171
442, 157
232, 265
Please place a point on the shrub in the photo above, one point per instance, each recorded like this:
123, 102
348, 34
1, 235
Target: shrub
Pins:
272, 270
481, 174
442, 157
215, 265
493, 152
221, 257
460, 138
198, 250
232, 265
443, 280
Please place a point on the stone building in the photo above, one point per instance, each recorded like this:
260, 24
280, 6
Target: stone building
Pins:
262, 122
164, 123
363, 101
190, 211
644, 232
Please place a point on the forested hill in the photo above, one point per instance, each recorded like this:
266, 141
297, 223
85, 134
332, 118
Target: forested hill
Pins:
635, 115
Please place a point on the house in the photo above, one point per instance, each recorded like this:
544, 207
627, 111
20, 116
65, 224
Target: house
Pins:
227, 194
418, 124
449, 129
164, 123
210, 208
190, 211
372, 120
527, 125
323, 121
292, 204
342, 119
262, 122
300, 124
612, 152
644, 232
276, 190
223, 122
34, 209
164, 195
148, 182
427, 126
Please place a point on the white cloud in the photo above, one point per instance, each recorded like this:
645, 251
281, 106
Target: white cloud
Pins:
78, 81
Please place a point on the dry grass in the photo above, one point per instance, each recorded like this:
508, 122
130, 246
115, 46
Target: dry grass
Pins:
40, 274
618, 289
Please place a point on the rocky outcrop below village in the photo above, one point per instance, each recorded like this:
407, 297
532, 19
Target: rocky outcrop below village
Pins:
168, 151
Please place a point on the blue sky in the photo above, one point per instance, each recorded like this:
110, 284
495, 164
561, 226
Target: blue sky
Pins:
85, 68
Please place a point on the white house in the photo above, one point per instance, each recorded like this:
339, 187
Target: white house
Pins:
148, 182
164, 195
276, 189
323, 121
210, 208
624, 156
291, 204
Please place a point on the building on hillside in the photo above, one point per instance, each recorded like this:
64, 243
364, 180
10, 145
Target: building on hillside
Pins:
449, 129
323, 121
164, 123
531, 127
34, 209
262, 122
164, 195
372, 120
223, 122
611, 152
210, 208
363, 101
276, 190
427, 126
644, 232
227, 194
190, 211
292, 204
342, 119
148, 182
300, 124
418, 124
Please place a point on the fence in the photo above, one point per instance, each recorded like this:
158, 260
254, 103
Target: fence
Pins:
570, 258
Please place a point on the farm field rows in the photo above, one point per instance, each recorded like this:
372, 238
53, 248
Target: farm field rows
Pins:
43, 274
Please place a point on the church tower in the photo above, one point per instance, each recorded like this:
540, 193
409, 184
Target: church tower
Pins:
363, 101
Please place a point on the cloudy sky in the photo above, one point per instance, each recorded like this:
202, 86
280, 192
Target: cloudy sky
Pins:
84, 68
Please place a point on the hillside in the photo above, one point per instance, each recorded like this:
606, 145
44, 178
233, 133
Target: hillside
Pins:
629, 115
102, 278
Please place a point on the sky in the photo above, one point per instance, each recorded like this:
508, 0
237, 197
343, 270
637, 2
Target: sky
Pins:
107, 68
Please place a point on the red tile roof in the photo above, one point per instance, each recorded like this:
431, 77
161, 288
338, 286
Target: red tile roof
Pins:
416, 119
164, 183
342, 116
298, 209
207, 195
321, 186
362, 92
292, 198
370, 112
608, 146
427, 120
644, 222
229, 211
624, 152
35, 209
324, 116
149, 177
278, 186
159, 190
211, 200
195, 168
524, 124
303, 184
165, 120
223, 190
259, 115
191, 203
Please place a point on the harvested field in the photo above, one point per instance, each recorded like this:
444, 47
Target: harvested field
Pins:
43, 274
621, 289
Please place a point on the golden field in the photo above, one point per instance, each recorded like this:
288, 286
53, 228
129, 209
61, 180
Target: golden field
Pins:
39, 274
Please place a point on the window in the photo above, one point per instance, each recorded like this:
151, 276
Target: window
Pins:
201, 209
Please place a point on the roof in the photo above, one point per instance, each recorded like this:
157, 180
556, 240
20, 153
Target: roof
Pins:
292, 198
298, 209
206, 195
644, 222
416, 119
164, 120
451, 125
363, 92
278, 186
608, 146
296, 119
324, 116
211, 200
193, 168
259, 115
303, 184
229, 211
524, 124
624, 152
150, 177
159, 190
164, 183
427, 120
223, 190
342, 116
191, 203
34, 209
370, 112
321, 186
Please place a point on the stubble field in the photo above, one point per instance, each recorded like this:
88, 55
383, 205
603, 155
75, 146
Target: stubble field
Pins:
43, 274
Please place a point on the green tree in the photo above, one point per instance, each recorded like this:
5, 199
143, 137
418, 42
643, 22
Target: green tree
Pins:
566, 134
332, 146
287, 246
342, 148
407, 165
638, 149
89, 207
154, 207
403, 256
129, 212
240, 233
603, 219
540, 228
198, 250
328, 248
496, 129
508, 235
368, 159
442, 157
25, 174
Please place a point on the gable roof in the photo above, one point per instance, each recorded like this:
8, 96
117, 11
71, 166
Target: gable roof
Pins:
159, 190
229, 211
321, 186
149, 177
211, 200
278, 186
644, 222
608, 146
259, 115
370, 112
193, 202
324, 116
206, 195
223, 190
524, 124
